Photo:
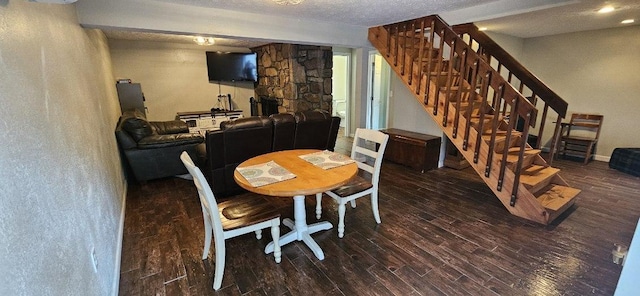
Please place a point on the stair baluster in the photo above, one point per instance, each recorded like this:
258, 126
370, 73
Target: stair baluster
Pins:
412, 40
555, 140
484, 93
432, 28
523, 145
464, 70
439, 68
513, 118
395, 57
472, 99
404, 48
448, 83
421, 57
494, 130
388, 28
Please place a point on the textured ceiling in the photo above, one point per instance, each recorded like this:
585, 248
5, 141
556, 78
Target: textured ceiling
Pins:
579, 16
366, 13
525, 18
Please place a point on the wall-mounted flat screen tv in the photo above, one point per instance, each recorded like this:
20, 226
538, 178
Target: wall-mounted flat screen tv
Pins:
232, 66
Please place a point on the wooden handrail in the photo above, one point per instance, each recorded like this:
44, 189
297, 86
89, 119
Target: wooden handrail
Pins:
526, 108
490, 48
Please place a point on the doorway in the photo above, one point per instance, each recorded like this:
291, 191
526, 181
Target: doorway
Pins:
341, 82
378, 93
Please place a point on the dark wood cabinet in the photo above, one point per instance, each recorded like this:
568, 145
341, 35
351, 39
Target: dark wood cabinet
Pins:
131, 97
416, 150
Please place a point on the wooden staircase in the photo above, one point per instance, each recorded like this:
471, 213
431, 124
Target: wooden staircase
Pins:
470, 93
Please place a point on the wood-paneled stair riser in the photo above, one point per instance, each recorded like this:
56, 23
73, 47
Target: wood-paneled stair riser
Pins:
541, 195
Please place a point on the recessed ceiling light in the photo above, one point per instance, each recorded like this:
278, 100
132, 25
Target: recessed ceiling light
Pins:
288, 2
482, 29
629, 21
606, 9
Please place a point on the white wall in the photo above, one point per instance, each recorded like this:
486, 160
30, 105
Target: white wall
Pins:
406, 112
174, 77
595, 72
60, 174
358, 104
513, 45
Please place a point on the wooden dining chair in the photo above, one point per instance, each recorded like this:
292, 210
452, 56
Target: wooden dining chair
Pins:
581, 135
367, 150
231, 218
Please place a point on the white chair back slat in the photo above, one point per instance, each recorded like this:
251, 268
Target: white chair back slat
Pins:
213, 223
207, 199
365, 143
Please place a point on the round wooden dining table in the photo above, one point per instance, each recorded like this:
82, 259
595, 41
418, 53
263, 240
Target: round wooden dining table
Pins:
309, 180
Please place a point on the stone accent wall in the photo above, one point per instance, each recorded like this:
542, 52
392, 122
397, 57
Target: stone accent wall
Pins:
298, 76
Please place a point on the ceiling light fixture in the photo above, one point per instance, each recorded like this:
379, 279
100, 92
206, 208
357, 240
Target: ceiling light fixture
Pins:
629, 21
288, 2
204, 40
482, 29
606, 9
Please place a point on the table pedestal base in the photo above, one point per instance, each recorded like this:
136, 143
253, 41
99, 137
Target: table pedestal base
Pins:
300, 231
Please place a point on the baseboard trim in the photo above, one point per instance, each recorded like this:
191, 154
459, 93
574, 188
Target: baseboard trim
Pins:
116, 270
595, 156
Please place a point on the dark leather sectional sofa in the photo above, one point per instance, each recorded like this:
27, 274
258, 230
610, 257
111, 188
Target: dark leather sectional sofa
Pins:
243, 138
152, 149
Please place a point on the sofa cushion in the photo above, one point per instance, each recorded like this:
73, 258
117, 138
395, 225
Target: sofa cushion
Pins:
169, 127
312, 129
236, 141
136, 125
125, 140
161, 141
284, 128
245, 138
333, 132
245, 123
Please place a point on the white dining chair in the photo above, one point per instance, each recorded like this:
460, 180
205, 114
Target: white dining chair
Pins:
367, 150
231, 218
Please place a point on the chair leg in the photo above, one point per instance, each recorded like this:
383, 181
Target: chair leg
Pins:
341, 210
587, 155
259, 234
374, 206
207, 237
219, 269
275, 234
318, 205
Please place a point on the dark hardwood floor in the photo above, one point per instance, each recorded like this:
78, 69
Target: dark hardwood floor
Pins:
443, 232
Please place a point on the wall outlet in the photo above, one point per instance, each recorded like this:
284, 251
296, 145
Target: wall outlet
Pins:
94, 259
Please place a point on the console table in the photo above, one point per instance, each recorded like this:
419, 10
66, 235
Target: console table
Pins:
203, 121
416, 150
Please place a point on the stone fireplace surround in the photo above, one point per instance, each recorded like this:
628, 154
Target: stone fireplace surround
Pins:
297, 76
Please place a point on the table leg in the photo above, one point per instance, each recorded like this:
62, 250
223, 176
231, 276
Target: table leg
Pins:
300, 230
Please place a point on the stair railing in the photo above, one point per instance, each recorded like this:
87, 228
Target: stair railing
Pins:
479, 84
520, 78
